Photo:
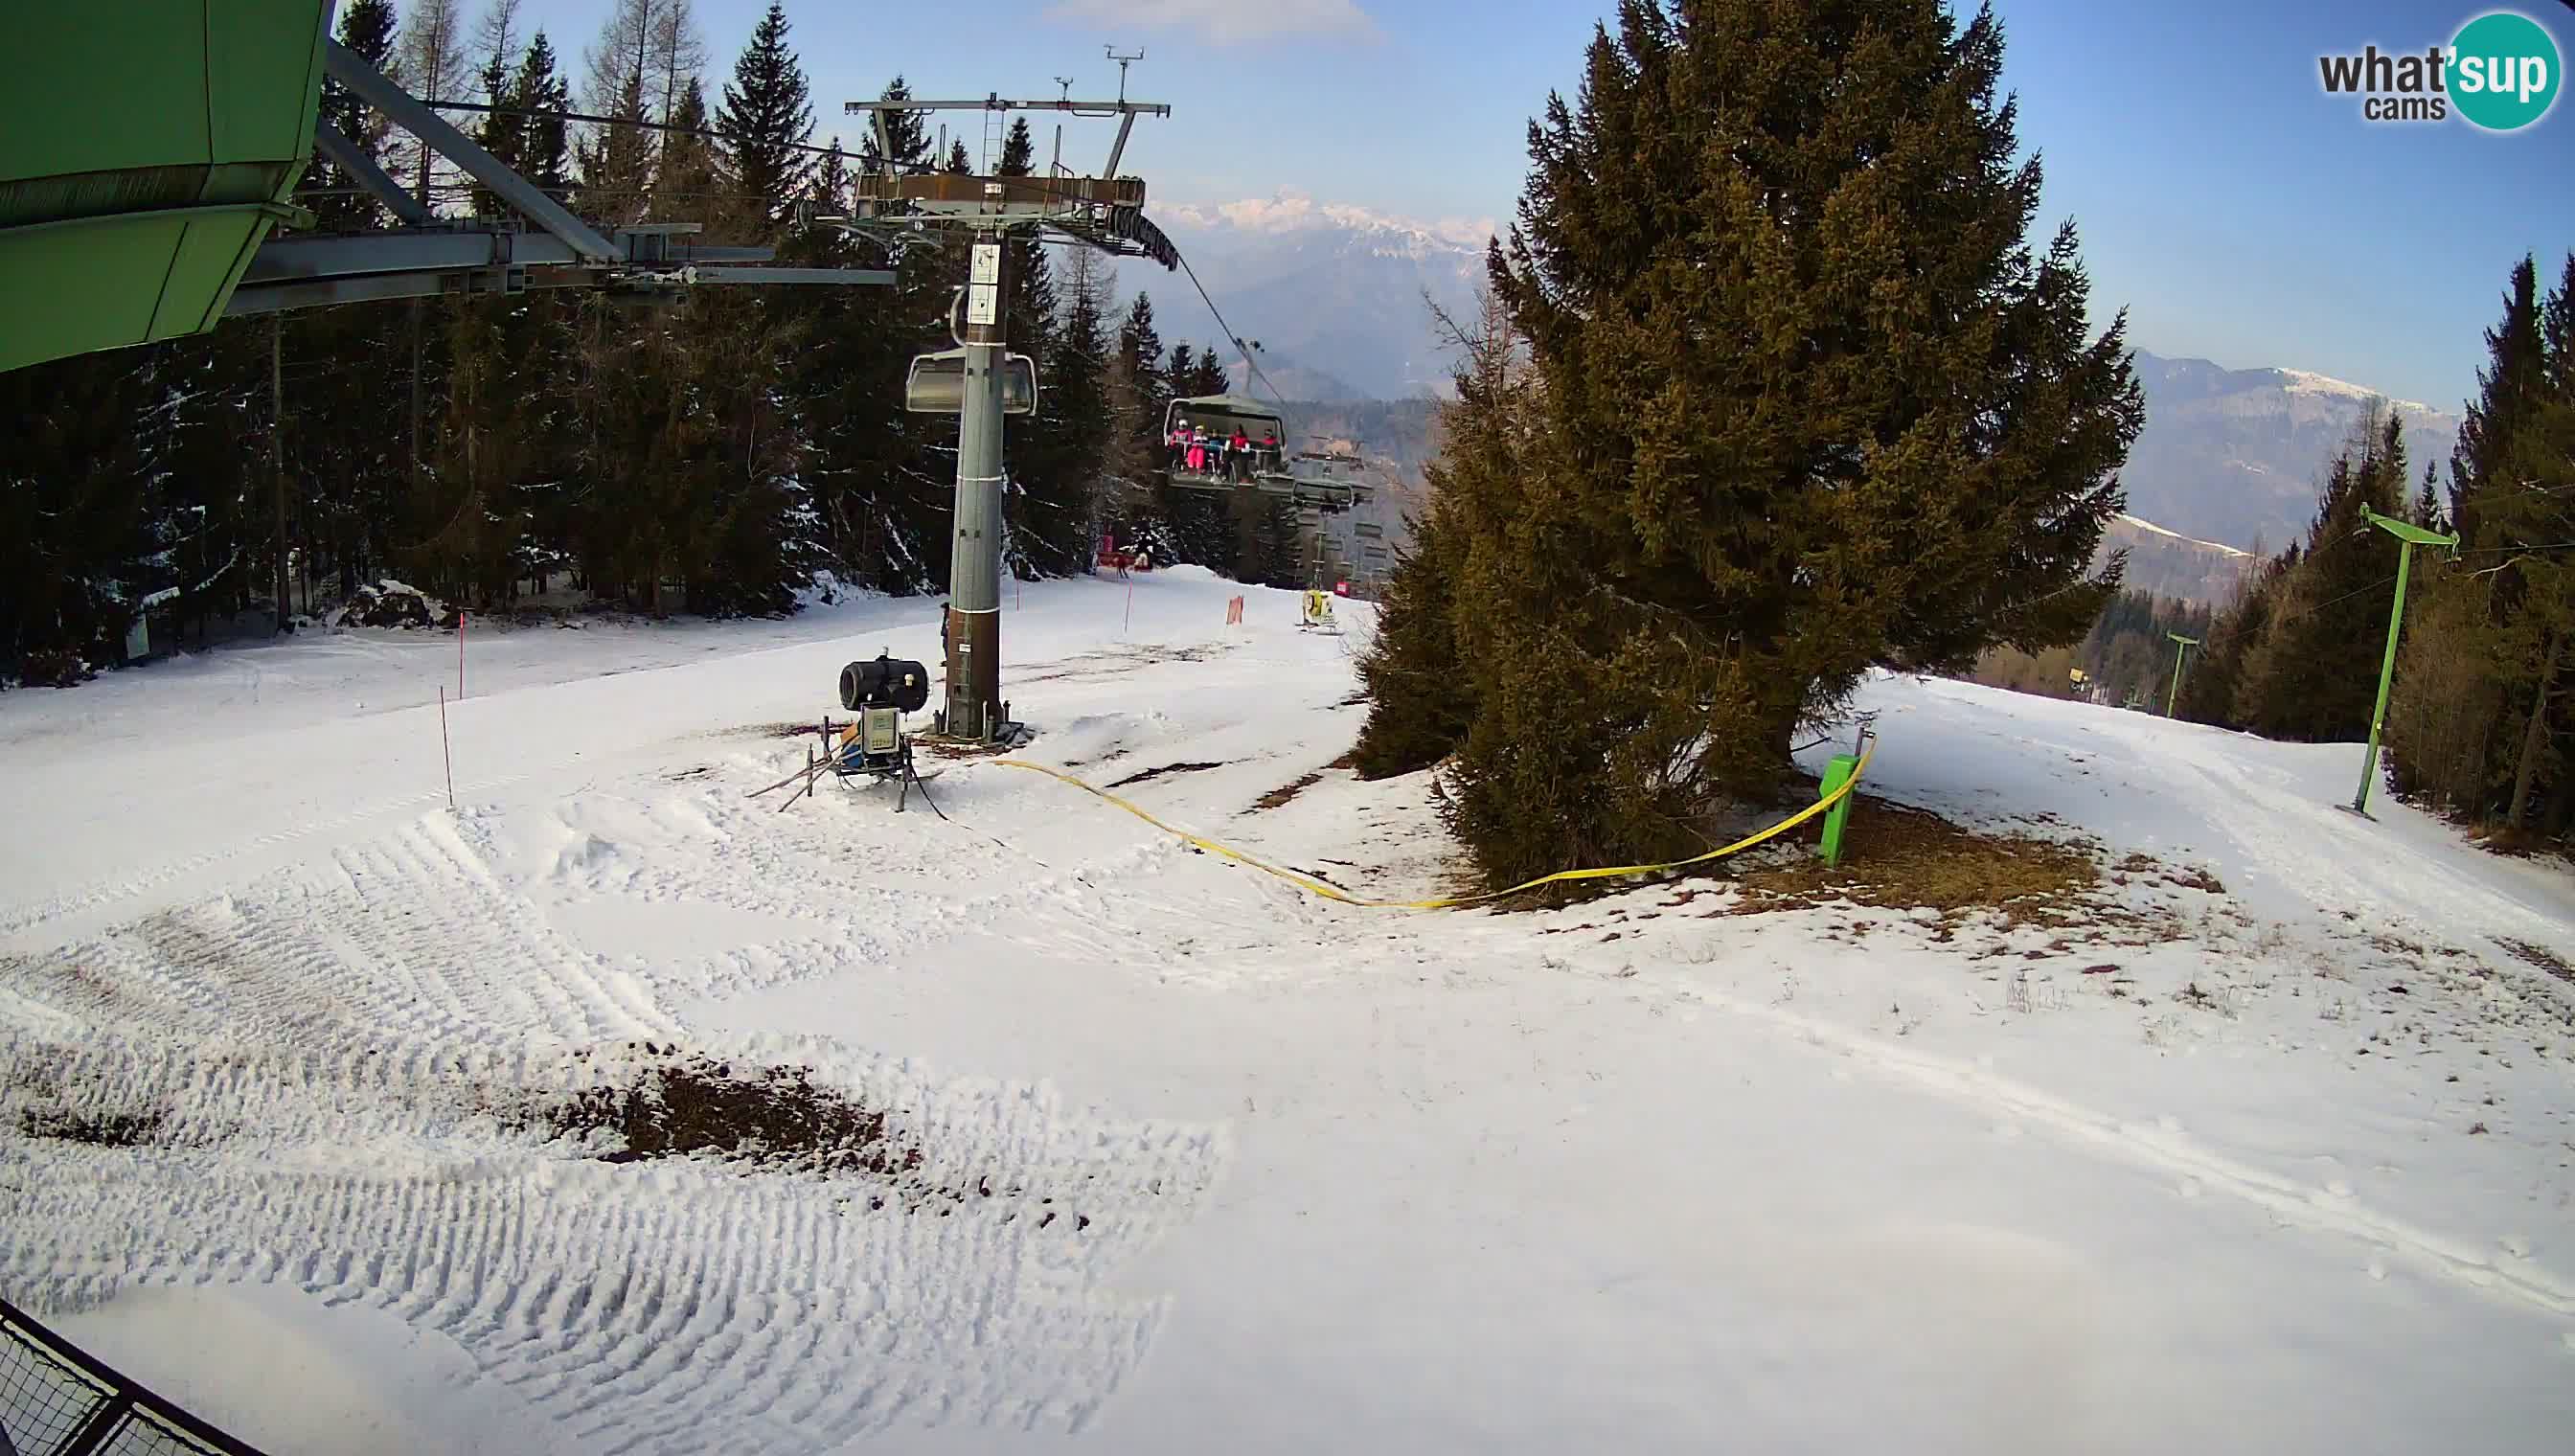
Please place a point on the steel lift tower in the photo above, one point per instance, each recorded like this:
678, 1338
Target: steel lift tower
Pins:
981, 378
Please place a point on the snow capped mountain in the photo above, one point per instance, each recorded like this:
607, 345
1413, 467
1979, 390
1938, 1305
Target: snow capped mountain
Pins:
2301, 382
1340, 298
2236, 456
1292, 211
1333, 293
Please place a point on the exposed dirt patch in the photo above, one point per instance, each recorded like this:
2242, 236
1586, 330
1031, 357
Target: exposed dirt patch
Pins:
1280, 796
2540, 956
101, 1129
1164, 771
771, 1116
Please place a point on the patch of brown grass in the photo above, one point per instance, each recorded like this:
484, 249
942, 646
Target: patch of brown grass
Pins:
1896, 858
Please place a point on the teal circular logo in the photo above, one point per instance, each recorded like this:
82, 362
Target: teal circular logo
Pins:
2505, 71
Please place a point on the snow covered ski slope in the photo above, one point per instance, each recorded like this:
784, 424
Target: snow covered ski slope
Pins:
317, 1112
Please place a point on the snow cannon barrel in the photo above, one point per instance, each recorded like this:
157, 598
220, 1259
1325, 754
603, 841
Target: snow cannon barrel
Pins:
885, 683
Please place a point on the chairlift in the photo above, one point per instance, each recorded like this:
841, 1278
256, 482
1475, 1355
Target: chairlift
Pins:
936, 384
1269, 466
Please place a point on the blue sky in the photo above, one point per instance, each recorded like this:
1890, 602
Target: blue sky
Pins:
2236, 211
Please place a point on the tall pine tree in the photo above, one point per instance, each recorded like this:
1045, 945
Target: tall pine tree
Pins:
1808, 402
765, 121
366, 27
2313, 672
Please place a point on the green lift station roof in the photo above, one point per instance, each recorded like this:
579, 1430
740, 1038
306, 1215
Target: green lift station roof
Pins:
147, 149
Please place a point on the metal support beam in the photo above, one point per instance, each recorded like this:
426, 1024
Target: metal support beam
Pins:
346, 156
371, 86
1118, 147
326, 254
270, 297
845, 277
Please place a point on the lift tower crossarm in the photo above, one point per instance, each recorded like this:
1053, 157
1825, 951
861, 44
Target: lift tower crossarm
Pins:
997, 102
1125, 111
363, 170
371, 86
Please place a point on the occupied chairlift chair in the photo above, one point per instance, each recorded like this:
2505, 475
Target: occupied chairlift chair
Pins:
1307, 477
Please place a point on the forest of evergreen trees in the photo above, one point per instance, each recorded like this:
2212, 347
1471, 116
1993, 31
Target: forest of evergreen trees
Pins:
2126, 660
2478, 726
718, 456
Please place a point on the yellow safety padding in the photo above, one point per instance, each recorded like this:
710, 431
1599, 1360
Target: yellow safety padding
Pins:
1317, 886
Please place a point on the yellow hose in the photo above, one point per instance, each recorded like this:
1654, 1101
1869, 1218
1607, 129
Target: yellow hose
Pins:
1309, 883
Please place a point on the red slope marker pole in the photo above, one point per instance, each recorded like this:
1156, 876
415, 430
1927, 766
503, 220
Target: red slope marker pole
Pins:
445, 752
460, 614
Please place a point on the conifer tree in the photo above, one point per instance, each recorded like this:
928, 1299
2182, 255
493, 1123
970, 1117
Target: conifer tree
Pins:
2525, 511
829, 191
366, 27
1809, 403
906, 131
498, 130
766, 118
545, 152
2312, 675
686, 180
1419, 706
2511, 377
2209, 693
616, 162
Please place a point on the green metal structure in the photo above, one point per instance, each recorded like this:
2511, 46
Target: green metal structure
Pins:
150, 149
2411, 536
147, 149
2181, 654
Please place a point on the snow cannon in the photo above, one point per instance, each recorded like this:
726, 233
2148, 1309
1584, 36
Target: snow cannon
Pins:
885, 683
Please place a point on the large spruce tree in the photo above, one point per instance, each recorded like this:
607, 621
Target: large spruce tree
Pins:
1809, 403
765, 121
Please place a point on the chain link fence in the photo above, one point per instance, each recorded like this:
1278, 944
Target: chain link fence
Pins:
57, 1400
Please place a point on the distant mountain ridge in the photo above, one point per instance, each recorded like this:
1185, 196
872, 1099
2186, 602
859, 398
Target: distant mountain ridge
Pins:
1335, 296
2236, 456
1334, 293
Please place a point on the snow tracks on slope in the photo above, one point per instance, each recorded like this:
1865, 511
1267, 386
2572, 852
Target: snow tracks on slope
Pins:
351, 1080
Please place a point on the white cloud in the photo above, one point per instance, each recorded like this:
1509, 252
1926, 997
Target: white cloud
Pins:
1224, 22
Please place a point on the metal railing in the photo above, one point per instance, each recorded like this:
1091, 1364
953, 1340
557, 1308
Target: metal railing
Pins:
58, 1400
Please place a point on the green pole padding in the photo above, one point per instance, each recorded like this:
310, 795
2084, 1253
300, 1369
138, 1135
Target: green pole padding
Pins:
2172, 699
1837, 773
2411, 536
2386, 676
